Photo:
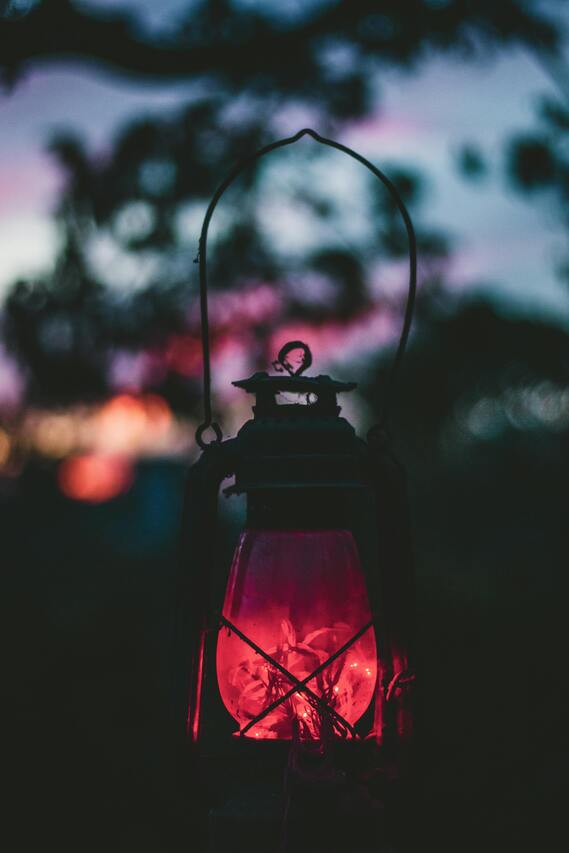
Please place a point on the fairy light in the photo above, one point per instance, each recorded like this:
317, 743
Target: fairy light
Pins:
256, 683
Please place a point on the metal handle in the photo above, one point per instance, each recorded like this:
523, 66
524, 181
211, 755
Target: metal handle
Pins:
202, 259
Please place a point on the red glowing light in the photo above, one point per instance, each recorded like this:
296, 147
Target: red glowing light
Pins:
195, 723
94, 477
300, 595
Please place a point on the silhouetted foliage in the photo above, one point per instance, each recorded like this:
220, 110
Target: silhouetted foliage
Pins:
125, 279
129, 219
471, 162
533, 164
323, 52
538, 163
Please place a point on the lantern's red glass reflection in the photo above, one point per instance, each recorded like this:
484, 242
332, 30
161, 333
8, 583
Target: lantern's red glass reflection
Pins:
300, 595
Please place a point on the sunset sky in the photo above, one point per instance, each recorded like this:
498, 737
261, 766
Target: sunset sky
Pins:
503, 243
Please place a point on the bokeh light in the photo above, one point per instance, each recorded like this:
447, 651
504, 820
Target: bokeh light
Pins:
95, 477
5, 448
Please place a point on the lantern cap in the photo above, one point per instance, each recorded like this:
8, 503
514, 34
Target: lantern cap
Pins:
316, 395
319, 391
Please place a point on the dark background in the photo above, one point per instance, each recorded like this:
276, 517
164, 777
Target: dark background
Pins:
481, 421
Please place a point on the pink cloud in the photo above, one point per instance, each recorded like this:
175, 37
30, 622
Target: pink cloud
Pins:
27, 183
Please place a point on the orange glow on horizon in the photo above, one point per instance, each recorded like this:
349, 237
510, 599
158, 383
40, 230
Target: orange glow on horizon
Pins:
125, 425
5, 448
125, 422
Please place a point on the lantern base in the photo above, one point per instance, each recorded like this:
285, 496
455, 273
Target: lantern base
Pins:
258, 819
306, 801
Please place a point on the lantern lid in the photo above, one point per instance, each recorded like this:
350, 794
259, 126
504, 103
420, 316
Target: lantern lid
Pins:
316, 395
261, 382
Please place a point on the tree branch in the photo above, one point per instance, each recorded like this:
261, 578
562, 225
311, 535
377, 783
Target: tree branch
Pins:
240, 46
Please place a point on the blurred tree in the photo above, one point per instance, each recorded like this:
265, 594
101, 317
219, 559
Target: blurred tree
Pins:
471, 162
129, 225
323, 52
120, 285
482, 422
538, 165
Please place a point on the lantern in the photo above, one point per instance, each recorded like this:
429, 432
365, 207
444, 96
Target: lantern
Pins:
297, 651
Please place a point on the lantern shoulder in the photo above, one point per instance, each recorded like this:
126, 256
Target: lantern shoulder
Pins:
298, 452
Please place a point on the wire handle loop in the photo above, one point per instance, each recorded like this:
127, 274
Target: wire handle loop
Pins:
202, 260
215, 429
